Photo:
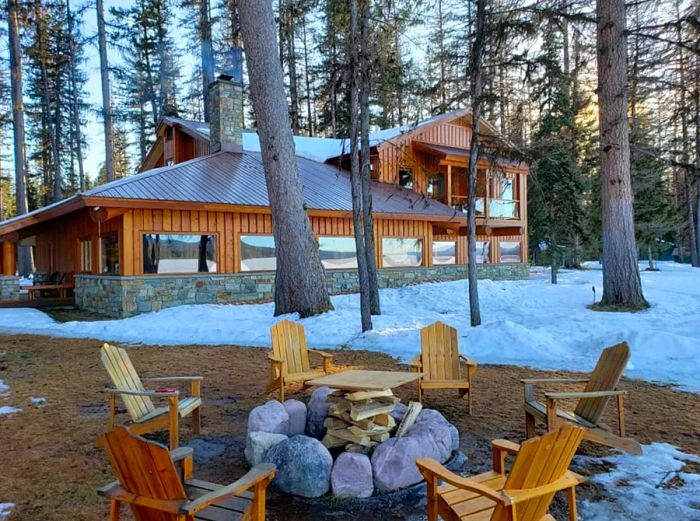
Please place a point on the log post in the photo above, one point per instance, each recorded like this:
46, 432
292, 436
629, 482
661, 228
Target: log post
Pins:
9, 258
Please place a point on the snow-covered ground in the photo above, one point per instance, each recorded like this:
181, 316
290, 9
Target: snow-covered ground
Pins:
527, 322
650, 486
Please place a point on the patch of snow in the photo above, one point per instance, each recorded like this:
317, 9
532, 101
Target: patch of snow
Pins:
6, 510
313, 148
4, 388
39, 401
6, 409
527, 323
650, 486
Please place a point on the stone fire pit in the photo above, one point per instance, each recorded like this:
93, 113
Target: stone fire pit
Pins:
290, 436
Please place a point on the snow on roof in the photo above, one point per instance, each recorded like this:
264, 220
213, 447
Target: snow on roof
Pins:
317, 149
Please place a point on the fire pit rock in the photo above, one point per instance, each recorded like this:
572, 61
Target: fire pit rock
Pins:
303, 466
270, 417
258, 443
352, 476
297, 416
317, 411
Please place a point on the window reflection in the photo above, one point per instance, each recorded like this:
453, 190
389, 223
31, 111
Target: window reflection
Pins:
510, 251
337, 253
444, 252
258, 253
482, 252
110, 253
401, 252
179, 253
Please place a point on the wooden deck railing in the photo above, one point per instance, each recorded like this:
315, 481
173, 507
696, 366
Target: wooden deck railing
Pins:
495, 209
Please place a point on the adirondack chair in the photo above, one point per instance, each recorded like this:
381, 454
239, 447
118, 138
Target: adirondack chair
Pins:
156, 490
539, 471
146, 417
600, 387
289, 360
441, 363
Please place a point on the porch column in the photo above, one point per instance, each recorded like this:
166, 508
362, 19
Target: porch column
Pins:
449, 185
9, 258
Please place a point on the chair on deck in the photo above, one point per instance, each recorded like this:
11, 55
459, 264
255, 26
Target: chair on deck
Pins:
156, 490
539, 471
600, 387
289, 360
441, 363
146, 417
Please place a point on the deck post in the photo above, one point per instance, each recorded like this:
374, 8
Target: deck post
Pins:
9, 258
449, 185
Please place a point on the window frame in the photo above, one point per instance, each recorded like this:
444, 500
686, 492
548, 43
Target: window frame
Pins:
350, 237
237, 245
81, 254
410, 175
218, 256
432, 253
421, 238
119, 253
519, 242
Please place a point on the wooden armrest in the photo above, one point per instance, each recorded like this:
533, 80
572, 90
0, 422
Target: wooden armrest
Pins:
529, 381
174, 379
276, 359
468, 360
115, 491
320, 353
583, 394
181, 453
568, 480
416, 362
432, 467
132, 392
264, 471
505, 446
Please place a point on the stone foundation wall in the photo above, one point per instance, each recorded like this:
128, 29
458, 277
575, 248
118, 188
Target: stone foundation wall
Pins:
9, 288
116, 296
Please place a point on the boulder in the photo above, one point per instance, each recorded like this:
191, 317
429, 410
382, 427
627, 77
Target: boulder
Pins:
394, 463
258, 443
297, 416
270, 417
399, 411
434, 438
303, 466
351, 476
316, 412
454, 438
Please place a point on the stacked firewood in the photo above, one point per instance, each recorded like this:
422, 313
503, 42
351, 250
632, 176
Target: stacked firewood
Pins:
359, 420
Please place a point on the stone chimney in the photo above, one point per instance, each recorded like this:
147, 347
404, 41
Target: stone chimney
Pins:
226, 105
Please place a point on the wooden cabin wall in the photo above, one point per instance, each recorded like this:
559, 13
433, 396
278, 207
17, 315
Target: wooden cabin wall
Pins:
57, 242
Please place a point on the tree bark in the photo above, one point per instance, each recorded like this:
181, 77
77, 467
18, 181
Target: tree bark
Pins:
289, 32
476, 99
106, 92
309, 113
24, 263
206, 54
300, 281
621, 281
355, 173
365, 164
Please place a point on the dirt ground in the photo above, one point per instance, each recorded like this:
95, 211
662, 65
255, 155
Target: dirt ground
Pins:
50, 468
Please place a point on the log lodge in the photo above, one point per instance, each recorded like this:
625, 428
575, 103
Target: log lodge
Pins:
194, 225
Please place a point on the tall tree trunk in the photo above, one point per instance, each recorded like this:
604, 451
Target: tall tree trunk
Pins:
290, 33
365, 165
356, 180
685, 146
24, 262
309, 114
46, 95
206, 54
300, 281
75, 102
621, 281
476, 99
441, 48
106, 92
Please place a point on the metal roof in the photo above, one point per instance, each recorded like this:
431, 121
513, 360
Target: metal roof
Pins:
239, 179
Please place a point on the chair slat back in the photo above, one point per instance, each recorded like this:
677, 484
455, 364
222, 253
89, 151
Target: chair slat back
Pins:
540, 461
144, 468
439, 352
289, 343
605, 377
120, 369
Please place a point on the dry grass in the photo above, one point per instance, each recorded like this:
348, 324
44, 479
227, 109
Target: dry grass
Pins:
51, 469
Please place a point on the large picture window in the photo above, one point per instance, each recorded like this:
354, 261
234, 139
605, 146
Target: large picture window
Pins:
510, 251
444, 252
482, 252
401, 252
179, 253
110, 253
258, 253
338, 253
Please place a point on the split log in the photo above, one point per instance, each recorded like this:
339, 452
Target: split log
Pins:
412, 412
349, 436
361, 411
330, 441
368, 395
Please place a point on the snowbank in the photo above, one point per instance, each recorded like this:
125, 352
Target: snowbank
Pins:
527, 323
5, 510
650, 486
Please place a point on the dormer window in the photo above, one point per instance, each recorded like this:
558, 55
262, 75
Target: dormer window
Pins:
406, 178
